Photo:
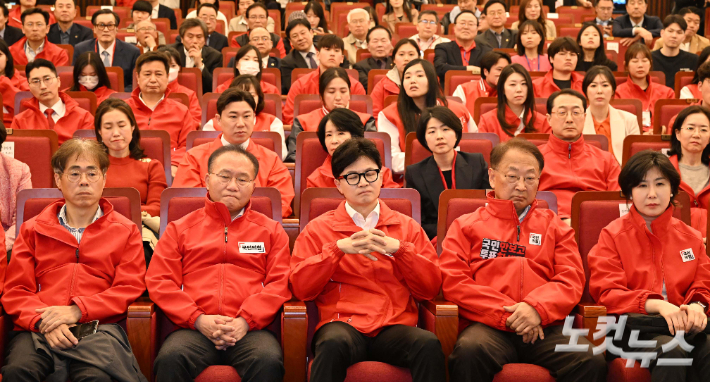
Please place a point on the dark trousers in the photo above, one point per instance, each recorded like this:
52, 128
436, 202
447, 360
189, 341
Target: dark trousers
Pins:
481, 352
26, 364
338, 345
700, 354
186, 353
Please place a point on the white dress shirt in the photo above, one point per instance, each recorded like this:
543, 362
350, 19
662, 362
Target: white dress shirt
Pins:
59, 110
243, 145
305, 56
365, 223
110, 51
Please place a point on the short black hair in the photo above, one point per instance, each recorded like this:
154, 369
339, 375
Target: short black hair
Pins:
152, 57
35, 11
350, 151
492, 2
142, 6
599, 70
39, 63
234, 95
676, 148
105, 12
344, 120
675, 19
378, 27
517, 143
634, 171
192, 23
237, 149
463, 13
430, 13
490, 59
562, 43
257, 4
330, 41
296, 22
329, 75
574, 93
207, 5
695, 10
445, 116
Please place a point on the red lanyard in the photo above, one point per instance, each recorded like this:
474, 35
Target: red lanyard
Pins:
113, 54
453, 175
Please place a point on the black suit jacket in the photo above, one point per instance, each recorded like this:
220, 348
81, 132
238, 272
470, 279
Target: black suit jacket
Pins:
489, 38
218, 41
210, 58
124, 57
471, 173
447, 56
77, 33
363, 68
12, 35
623, 27
168, 13
294, 60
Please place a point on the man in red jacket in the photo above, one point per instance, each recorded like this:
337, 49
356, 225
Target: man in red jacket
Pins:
571, 164
515, 272
563, 54
221, 274
366, 266
35, 26
50, 109
76, 262
153, 108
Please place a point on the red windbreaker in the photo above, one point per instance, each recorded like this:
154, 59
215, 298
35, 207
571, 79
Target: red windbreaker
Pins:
476, 89
489, 123
202, 265
75, 118
648, 98
544, 87
573, 167
50, 52
102, 276
490, 259
369, 295
380, 92
311, 120
8, 91
266, 87
629, 264
195, 108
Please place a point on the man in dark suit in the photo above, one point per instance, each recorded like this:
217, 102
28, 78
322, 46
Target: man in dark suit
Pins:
8, 33
497, 36
162, 12
379, 43
464, 53
65, 31
470, 170
195, 54
636, 24
208, 14
113, 52
261, 39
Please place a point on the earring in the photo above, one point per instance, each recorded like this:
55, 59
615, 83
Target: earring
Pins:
631, 198
671, 195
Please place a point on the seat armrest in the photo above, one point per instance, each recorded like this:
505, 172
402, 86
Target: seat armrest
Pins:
442, 319
294, 335
141, 334
586, 316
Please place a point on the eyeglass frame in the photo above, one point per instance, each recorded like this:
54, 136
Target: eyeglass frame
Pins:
239, 182
360, 175
46, 80
81, 174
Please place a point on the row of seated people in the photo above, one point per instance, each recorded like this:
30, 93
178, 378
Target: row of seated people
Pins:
365, 265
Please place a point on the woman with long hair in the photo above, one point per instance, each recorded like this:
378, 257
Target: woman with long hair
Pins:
530, 45
516, 112
419, 90
175, 87
532, 10
399, 11
90, 75
404, 51
316, 17
691, 90
590, 39
10, 84
248, 61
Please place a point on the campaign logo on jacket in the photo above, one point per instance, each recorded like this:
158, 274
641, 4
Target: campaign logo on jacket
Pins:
251, 247
687, 255
490, 249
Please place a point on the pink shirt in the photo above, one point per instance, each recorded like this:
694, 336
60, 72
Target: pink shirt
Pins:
536, 64
14, 177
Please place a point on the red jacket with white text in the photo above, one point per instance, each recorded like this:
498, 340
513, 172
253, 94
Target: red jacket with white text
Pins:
202, 265
629, 264
102, 275
368, 295
490, 259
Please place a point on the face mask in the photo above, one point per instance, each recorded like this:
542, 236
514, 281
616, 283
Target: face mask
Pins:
89, 82
173, 74
249, 67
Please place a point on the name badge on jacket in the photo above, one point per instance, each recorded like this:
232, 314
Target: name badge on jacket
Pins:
251, 247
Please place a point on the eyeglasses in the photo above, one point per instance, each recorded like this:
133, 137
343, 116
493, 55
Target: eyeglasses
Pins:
353, 178
257, 39
701, 130
103, 26
431, 22
576, 113
514, 179
75, 176
225, 179
467, 24
36, 82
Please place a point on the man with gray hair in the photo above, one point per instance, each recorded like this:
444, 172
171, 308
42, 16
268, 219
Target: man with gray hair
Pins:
195, 54
359, 25
148, 36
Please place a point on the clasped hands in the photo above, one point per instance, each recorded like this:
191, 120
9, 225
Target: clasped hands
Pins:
525, 321
367, 241
223, 331
55, 324
689, 318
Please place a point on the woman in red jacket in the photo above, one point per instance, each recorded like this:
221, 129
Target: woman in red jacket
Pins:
404, 51
116, 128
90, 75
516, 103
649, 262
334, 89
335, 128
7, 69
10, 80
175, 87
248, 61
639, 84
690, 155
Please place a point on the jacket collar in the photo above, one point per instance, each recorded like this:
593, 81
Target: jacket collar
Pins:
638, 89
504, 209
393, 75
576, 77
490, 90
135, 94
326, 169
47, 221
561, 147
219, 211
660, 225
342, 222
69, 103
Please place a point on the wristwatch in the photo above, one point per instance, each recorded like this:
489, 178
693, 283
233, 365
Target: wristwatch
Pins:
699, 303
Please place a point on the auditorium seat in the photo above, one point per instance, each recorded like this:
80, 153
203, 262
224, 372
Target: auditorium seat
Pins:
35, 149
482, 143
454, 78
374, 76
682, 79
272, 105
635, 143
597, 140
305, 103
269, 139
633, 106
664, 110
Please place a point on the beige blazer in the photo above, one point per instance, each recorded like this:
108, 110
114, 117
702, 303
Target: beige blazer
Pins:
697, 43
622, 124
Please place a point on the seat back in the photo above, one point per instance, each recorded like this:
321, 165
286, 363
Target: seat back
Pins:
272, 76
597, 140
220, 76
577, 12
191, 78
66, 76
664, 110
568, 30
429, 55
682, 79
374, 76
306, 103
636, 143
483, 105
455, 203
35, 149
362, 54
481, 143
633, 106
115, 77
454, 78
405, 30
86, 100
272, 105
594, 210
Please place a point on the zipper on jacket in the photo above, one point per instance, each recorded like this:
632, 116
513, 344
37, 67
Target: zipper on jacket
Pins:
569, 151
77, 255
225, 233
518, 233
